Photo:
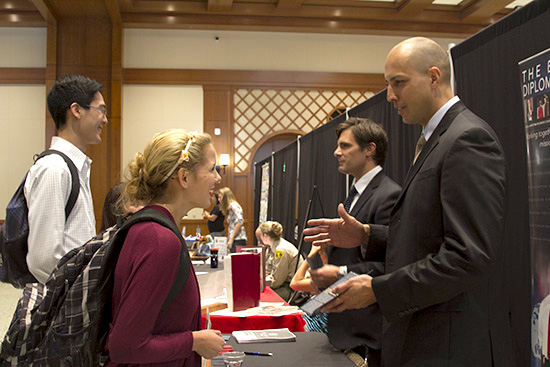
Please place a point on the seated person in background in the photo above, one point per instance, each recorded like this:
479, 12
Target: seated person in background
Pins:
205, 243
302, 282
280, 259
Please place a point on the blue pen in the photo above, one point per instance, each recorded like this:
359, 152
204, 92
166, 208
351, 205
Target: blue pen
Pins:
258, 354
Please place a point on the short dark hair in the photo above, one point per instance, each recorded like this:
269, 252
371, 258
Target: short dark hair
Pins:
66, 91
366, 131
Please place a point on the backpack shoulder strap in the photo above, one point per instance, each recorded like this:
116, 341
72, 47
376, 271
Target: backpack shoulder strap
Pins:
152, 215
75, 187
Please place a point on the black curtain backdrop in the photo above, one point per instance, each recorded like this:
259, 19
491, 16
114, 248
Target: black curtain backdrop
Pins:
258, 193
284, 174
401, 137
319, 168
487, 79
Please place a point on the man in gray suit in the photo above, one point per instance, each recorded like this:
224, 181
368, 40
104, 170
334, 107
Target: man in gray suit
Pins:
361, 152
445, 230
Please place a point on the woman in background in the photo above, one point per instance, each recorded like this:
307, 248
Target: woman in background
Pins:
281, 257
302, 282
215, 218
236, 235
175, 173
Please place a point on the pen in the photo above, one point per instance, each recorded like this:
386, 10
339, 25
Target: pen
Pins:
258, 354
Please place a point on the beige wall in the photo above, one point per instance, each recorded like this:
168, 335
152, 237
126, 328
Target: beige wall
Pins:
193, 49
22, 108
23, 47
147, 110
22, 133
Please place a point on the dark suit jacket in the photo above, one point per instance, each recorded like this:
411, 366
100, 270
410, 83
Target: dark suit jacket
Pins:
363, 327
444, 236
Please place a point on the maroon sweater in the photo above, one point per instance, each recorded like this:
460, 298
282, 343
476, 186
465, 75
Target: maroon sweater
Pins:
140, 332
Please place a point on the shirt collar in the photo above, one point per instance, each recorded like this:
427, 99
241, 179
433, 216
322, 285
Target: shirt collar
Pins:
364, 181
79, 159
437, 117
275, 245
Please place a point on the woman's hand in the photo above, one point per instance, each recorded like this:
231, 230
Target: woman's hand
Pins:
229, 244
208, 343
314, 250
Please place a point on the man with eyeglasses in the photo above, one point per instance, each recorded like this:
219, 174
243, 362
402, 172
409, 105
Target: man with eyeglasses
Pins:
79, 113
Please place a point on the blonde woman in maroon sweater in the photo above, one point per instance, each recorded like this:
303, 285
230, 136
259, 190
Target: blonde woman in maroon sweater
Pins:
176, 172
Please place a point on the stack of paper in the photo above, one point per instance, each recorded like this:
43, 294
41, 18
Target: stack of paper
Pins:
263, 336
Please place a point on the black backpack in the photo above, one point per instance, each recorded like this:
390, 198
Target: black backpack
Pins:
66, 321
14, 232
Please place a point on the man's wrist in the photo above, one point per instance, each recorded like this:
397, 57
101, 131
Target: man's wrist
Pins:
366, 233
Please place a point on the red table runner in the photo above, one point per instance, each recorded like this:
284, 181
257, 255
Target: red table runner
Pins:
228, 324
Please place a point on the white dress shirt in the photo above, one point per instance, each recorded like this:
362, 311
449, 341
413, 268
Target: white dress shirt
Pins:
363, 182
437, 117
47, 190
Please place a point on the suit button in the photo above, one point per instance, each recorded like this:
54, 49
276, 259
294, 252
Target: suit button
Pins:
401, 314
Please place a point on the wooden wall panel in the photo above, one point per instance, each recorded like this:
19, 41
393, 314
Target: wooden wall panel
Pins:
84, 45
217, 109
22, 75
251, 78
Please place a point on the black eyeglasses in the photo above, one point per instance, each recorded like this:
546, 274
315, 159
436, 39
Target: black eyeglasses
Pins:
100, 109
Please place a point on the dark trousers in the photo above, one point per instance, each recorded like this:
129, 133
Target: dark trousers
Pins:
237, 243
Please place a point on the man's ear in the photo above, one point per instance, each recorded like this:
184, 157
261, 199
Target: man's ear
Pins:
371, 149
75, 110
435, 75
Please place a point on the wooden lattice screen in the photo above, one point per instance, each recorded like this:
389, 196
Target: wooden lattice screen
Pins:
259, 113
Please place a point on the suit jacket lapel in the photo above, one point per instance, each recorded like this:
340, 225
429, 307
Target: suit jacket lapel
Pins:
367, 193
432, 142
362, 201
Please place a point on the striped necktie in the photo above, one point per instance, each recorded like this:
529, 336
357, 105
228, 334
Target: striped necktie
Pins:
419, 145
349, 199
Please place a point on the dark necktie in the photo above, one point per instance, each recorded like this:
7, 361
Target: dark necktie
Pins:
349, 200
419, 145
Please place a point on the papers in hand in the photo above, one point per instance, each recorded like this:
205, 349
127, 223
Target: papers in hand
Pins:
312, 306
263, 336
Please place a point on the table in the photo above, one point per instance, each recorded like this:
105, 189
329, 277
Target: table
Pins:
228, 324
310, 349
211, 282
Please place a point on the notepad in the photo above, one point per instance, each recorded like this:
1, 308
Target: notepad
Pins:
312, 306
263, 336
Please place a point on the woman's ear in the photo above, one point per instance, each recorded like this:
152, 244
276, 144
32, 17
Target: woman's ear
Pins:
183, 178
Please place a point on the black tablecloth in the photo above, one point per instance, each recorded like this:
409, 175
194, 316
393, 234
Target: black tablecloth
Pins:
309, 349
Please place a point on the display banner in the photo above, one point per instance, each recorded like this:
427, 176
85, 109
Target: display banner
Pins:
264, 195
535, 90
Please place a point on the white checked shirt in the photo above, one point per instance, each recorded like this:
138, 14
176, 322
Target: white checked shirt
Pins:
47, 190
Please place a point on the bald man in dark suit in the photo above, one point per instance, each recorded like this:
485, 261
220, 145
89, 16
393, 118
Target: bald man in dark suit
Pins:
445, 231
361, 152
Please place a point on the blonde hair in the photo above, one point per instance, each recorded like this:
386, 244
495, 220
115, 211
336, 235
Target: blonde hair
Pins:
227, 198
148, 174
272, 229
